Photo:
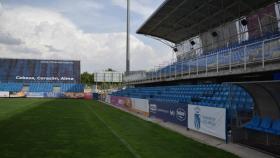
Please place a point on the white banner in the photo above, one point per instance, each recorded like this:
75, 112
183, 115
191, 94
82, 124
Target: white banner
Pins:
108, 99
4, 94
208, 120
35, 94
140, 104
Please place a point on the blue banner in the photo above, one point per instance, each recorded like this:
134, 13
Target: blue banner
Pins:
53, 95
95, 96
169, 111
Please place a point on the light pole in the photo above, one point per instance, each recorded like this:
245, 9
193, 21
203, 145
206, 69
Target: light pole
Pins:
127, 37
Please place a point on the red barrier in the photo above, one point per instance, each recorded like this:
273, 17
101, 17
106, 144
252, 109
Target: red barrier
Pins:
88, 96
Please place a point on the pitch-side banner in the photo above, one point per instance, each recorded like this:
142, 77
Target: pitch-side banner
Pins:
208, 120
88, 96
4, 94
17, 94
108, 99
169, 111
123, 102
35, 95
140, 106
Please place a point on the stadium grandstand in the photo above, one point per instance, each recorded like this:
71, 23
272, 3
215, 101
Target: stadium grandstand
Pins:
234, 39
227, 57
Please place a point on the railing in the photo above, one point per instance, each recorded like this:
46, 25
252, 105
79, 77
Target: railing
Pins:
242, 57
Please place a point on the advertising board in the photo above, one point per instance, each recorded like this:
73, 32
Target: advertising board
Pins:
123, 102
35, 94
95, 96
17, 94
140, 106
71, 95
108, 99
208, 120
169, 111
88, 96
53, 95
4, 94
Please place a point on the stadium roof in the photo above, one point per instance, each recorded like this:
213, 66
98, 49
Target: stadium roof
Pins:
177, 20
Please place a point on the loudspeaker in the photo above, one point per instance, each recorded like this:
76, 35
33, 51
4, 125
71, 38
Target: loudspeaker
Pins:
214, 34
244, 22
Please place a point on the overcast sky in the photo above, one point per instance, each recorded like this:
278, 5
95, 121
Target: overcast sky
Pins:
92, 31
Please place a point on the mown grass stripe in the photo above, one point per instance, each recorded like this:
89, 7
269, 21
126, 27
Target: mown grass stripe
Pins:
123, 141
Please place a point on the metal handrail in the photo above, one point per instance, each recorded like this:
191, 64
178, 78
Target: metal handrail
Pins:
180, 71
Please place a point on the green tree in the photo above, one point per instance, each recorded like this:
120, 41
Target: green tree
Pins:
87, 78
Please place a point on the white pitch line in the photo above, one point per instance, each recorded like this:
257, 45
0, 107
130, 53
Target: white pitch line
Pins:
125, 143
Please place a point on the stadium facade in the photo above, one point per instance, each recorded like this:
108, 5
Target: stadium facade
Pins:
40, 78
227, 68
43, 71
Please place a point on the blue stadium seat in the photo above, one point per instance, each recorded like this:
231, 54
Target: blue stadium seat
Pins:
40, 87
265, 124
275, 128
254, 123
72, 88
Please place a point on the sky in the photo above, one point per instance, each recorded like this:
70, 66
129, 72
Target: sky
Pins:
92, 31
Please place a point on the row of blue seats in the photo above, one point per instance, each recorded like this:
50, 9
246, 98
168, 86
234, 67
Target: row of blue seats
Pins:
265, 124
221, 96
72, 88
41, 87
203, 94
11, 87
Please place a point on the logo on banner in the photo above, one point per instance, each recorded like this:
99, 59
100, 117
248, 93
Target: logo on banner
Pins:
120, 102
197, 118
171, 112
181, 114
153, 108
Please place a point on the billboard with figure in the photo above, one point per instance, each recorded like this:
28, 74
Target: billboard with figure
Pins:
31, 70
208, 120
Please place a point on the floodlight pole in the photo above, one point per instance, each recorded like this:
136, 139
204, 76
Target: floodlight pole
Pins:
127, 37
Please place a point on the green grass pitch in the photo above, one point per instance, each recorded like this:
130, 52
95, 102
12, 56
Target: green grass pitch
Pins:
47, 128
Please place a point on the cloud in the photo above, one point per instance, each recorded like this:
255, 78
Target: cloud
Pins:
7, 39
52, 49
46, 34
1, 8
